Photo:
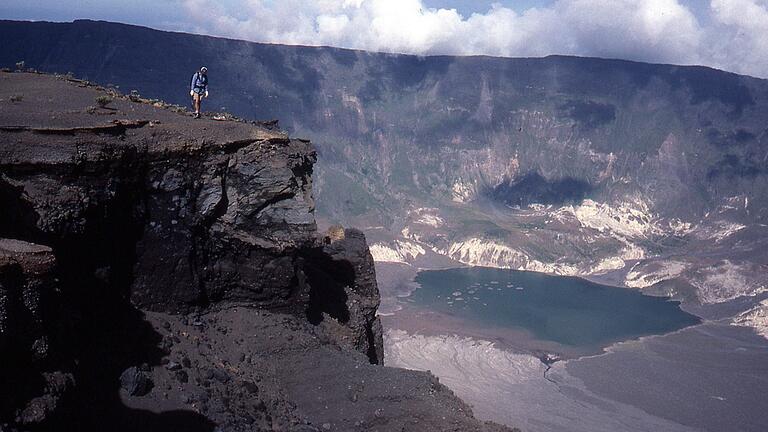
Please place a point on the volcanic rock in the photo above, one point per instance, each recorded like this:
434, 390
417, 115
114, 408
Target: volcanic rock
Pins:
154, 223
135, 382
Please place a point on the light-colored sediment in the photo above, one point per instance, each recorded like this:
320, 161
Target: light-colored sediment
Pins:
757, 318
511, 388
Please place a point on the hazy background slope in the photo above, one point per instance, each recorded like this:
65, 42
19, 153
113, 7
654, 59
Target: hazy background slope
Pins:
639, 173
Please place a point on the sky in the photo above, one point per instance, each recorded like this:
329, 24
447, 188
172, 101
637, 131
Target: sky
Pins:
726, 34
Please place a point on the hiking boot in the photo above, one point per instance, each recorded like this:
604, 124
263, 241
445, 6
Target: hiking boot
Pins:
197, 115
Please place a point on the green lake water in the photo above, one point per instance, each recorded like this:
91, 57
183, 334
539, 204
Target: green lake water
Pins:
567, 310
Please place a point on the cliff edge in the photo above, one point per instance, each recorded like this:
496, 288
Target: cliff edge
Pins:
159, 272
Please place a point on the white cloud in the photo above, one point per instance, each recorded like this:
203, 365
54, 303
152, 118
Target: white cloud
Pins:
740, 41
735, 38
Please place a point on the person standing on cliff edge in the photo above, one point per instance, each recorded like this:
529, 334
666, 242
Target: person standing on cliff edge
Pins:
199, 89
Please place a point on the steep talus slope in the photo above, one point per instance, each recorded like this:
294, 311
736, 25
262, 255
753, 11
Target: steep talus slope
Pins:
635, 173
162, 273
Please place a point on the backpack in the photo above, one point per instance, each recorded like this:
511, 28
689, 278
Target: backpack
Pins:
197, 78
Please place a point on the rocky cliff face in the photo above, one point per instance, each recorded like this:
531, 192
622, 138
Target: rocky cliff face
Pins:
135, 232
29, 312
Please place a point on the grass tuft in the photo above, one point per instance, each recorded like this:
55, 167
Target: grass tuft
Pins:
103, 101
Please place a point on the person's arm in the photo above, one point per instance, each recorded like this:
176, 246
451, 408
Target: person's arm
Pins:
192, 85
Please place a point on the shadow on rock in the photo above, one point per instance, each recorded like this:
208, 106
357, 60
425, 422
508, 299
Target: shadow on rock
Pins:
121, 341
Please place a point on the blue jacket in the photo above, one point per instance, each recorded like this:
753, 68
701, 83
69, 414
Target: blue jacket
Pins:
199, 83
